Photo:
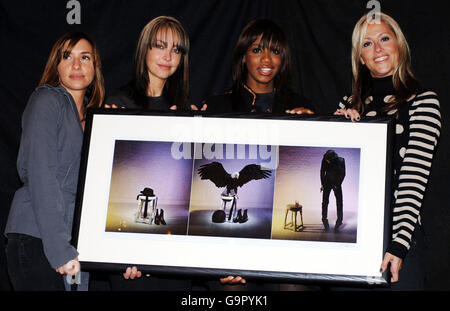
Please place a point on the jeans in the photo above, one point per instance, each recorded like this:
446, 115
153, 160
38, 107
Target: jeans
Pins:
28, 266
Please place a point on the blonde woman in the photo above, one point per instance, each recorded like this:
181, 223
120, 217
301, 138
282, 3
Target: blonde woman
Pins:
384, 85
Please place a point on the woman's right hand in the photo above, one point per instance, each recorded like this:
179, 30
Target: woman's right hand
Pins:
353, 114
233, 280
195, 108
132, 273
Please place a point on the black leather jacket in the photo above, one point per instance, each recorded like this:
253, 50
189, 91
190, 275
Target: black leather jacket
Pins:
332, 170
243, 101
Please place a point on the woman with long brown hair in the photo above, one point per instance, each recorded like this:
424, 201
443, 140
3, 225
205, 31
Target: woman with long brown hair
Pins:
384, 85
161, 69
40, 220
160, 84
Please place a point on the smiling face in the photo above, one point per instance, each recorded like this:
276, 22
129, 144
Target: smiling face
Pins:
163, 57
76, 68
379, 51
262, 65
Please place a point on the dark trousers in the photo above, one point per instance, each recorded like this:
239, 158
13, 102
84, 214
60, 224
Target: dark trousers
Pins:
28, 266
233, 210
326, 199
5, 284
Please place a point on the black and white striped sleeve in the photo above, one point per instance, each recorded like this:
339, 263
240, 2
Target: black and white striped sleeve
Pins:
424, 132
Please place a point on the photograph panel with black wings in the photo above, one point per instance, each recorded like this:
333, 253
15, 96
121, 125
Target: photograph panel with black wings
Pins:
233, 190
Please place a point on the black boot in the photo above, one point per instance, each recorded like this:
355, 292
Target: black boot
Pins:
244, 217
156, 218
161, 217
238, 217
337, 225
325, 224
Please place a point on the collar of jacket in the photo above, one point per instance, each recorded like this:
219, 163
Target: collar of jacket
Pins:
244, 99
251, 92
250, 98
61, 89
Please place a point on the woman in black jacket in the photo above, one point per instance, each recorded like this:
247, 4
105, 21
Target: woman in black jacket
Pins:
161, 84
161, 69
261, 70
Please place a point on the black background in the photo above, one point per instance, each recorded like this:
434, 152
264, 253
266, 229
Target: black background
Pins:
319, 33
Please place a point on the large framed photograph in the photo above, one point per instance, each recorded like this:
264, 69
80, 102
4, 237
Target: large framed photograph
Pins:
293, 199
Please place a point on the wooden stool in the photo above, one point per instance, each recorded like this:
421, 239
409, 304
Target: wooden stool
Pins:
294, 209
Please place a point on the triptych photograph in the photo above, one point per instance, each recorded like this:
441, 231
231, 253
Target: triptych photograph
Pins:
299, 193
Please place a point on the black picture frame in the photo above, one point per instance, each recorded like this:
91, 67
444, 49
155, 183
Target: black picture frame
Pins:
98, 247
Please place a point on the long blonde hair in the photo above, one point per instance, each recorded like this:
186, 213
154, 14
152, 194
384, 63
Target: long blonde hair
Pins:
404, 81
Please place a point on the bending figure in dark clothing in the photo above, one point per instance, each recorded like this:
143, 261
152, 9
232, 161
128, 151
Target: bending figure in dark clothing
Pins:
332, 173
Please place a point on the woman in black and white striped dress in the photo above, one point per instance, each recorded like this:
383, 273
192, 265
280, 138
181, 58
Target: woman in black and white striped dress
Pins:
384, 85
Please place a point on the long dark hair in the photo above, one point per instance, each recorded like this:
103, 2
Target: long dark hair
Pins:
176, 87
405, 84
96, 91
272, 38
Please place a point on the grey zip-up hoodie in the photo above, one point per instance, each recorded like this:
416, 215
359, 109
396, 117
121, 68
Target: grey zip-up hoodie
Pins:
48, 164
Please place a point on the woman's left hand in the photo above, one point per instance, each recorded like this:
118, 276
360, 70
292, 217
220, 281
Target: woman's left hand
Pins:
353, 114
396, 265
299, 110
72, 267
